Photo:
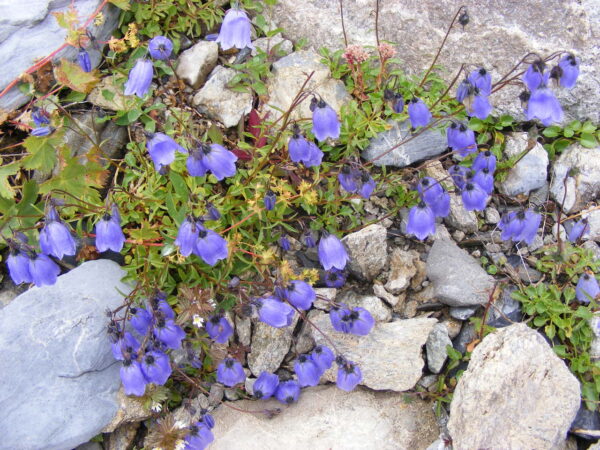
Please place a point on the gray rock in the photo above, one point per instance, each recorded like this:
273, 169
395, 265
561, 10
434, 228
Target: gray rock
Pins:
131, 409
402, 270
436, 347
462, 312
465, 337
581, 168
530, 172
122, 438
518, 29
326, 418
492, 216
515, 393
589, 245
220, 103
453, 326
274, 44
380, 292
389, 356
194, 65
423, 146
290, 73
304, 342
9, 292
371, 303
29, 32
593, 218
324, 298
269, 346
216, 394
59, 378
595, 326
459, 217
457, 277
367, 250
243, 329
89, 446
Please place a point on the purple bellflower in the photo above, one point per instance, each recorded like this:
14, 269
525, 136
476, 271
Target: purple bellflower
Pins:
134, 382
357, 321
55, 237
230, 372
323, 357
219, 329
459, 175
366, 185
587, 288
212, 213
434, 196
140, 78
109, 235
284, 243
18, 266
348, 375
418, 113
274, 312
348, 179
288, 392
325, 120
479, 106
298, 147
332, 253
300, 294
307, 371
534, 75
309, 239
42, 131
269, 200
265, 385
235, 30
421, 221
40, 116
162, 149
199, 437
520, 226
141, 320
160, 47
474, 197
578, 231
335, 316
395, 100
334, 278
465, 89
194, 163
126, 347
211, 247
482, 80
168, 333
219, 160
567, 71
161, 307
530, 227
43, 270
315, 155
187, 236
461, 139
156, 367
544, 106
83, 58
484, 160
485, 180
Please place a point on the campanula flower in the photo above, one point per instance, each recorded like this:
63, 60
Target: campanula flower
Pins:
274, 312
230, 372
269, 200
335, 316
578, 231
474, 197
134, 382
83, 57
418, 113
567, 71
199, 437
42, 131
161, 307
194, 163
265, 385
126, 347
531, 224
211, 247
309, 239
162, 149
511, 224
459, 175
348, 179
357, 321
315, 155
187, 236
109, 235
168, 333
140, 320
434, 196
212, 213
366, 185
479, 106
461, 139
156, 367
484, 160
288, 392
534, 75
55, 237
587, 288
544, 106
397, 103
298, 147
348, 375
465, 89
334, 278
485, 180
421, 221
235, 30
140, 78
325, 120
284, 243
219, 329
160, 47
40, 116
18, 266
307, 371
482, 80
300, 294
332, 253
323, 357
219, 160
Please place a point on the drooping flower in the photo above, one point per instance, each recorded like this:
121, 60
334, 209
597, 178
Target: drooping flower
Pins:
55, 237
459, 175
161, 307
288, 392
83, 58
418, 113
511, 224
484, 160
300, 294
199, 437
531, 224
334, 278
109, 235
161, 149
140, 78
194, 163
126, 347
534, 75
485, 180
474, 197
567, 71
156, 367
211, 247
187, 236
325, 120
160, 47
40, 116
315, 155
587, 288
141, 320
18, 266
235, 30
335, 316
421, 221
323, 357
579, 230
219, 160
170, 334
298, 147
212, 213
309, 239
357, 321
332, 253
348, 375
348, 179
465, 89
134, 382
482, 80
219, 329
269, 200
42, 131
544, 106
434, 196
307, 371
461, 139
230, 372
366, 185
479, 107
274, 312
265, 385
395, 100
284, 243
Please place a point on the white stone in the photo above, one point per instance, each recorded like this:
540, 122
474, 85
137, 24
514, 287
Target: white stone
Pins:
367, 250
197, 62
531, 171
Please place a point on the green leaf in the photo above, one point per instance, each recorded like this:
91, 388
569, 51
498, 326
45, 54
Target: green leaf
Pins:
6, 190
588, 127
588, 140
121, 4
552, 131
42, 153
71, 75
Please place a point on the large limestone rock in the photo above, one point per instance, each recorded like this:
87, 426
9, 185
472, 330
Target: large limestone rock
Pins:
59, 378
194, 65
327, 418
497, 36
367, 250
269, 346
530, 172
515, 393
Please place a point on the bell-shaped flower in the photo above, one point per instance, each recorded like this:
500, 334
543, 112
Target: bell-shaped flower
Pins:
156, 367
126, 347
307, 371
474, 197
479, 106
43, 270
482, 80
187, 236
578, 231
230, 372
465, 89
219, 160
418, 113
325, 120
284, 243
484, 160
55, 237
274, 312
194, 163
358, 321
458, 175
219, 329
160, 47
83, 58
334, 278
366, 185
511, 224
569, 71
288, 392
421, 221
335, 316
141, 320
160, 307
315, 155
40, 116
398, 103
211, 247
300, 294
323, 357
134, 382
485, 180
18, 266
544, 106
161, 149
269, 200
265, 385
199, 437
212, 213
332, 253
531, 224
109, 235
348, 179
298, 147
140, 78
461, 139
534, 75
168, 333
309, 239
235, 30
348, 375
587, 288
